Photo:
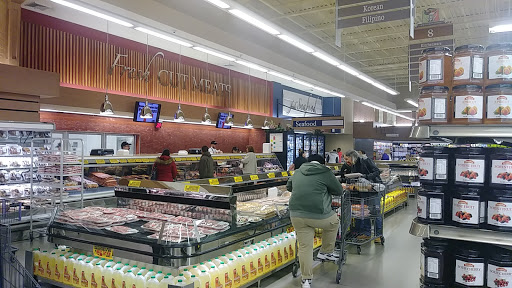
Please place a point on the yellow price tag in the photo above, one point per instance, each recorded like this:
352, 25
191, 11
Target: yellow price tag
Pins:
214, 181
114, 161
100, 161
103, 252
134, 183
284, 174
147, 160
192, 188
271, 175
122, 161
238, 179
131, 160
86, 162
255, 177
177, 159
292, 172
139, 160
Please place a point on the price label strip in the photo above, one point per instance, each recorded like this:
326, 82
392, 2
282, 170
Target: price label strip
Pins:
122, 161
192, 188
271, 175
255, 177
214, 181
284, 174
103, 252
134, 183
292, 172
114, 161
100, 161
238, 179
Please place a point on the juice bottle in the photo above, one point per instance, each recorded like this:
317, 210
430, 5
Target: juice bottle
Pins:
132, 262
77, 272
89, 258
195, 271
129, 279
279, 246
126, 267
253, 265
291, 247
95, 260
50, 265
180, 283
205, 279
58, 268
67, 275
103, 262
286, 249
266, 258
96, 273
186, 273
140, 281
216, 261
202, 267
273, 256
166, 282
260, 260
244, 268
106, 278
236, 268
135, 270
210, 263
193, 280
180, 277
150, 274
75, 255
143, 271
226, 275
36, 256
86, 275
43, 260
153, 283
118, 265
117, 279
237, 253
160, 275
224, 258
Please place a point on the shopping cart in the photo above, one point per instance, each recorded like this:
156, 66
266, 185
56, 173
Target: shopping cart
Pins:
12, 273
341, 206
367, 206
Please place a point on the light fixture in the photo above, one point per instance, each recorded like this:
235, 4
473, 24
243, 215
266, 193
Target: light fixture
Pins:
387, 110
255, 22
229, 120
326, 58
179, 116
384, 88
500, 28
329, 92
248, 122
106, 107
365, 78
303, 83
146, 112
277, 74
219, 4
165, 37
214, 53
252, 65
92, 12
296, 43
207, 119
410, 101
349, 69
266, 124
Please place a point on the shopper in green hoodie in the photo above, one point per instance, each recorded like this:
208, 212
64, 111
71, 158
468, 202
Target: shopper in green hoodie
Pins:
312, 187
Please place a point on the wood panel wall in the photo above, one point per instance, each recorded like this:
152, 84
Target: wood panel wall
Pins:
83, 62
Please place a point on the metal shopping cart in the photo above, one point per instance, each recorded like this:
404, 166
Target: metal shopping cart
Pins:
12, 273
367, 206
341, 206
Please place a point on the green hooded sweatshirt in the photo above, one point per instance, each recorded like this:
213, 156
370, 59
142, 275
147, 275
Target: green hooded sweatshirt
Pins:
312, 186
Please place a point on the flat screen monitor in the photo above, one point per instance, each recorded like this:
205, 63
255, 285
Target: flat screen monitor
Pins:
155, 108
221, 120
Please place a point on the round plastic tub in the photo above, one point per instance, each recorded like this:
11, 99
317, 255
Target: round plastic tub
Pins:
469, 266
498, 60
499, 210
433, 104
499, 268
436, 261
436, 67
468, 65
433, 165
431, 205
468, 104
468, 208
500, 168
498, 98
470, 166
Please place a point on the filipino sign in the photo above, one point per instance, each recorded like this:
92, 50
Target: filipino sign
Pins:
370, 13
322, 123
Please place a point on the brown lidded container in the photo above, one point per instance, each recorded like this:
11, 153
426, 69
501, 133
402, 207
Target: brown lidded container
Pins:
468, 104
468, 65
436, 67
498, 60
498, 99
433, 105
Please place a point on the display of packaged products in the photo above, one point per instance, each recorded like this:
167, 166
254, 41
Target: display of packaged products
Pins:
431, 204
435, 261
469, 266
103, 179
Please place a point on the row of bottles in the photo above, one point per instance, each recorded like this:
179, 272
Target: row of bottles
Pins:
227, 271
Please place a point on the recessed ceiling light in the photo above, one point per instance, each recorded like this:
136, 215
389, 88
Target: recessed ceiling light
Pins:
163, 36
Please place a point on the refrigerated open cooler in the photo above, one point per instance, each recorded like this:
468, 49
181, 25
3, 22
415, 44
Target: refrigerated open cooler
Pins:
307, 145
290, 150
314, 145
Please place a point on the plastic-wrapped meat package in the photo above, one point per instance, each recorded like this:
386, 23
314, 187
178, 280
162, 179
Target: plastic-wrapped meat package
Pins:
122, 230
183, 220
213, 224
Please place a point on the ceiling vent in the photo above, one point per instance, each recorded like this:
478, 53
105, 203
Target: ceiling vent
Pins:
38, 4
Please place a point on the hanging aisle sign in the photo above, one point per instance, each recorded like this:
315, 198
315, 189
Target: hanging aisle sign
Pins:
370, 13
322, 123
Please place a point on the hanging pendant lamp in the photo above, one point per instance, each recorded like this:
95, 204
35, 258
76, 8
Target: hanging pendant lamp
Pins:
179, 116
106, 107
229, 120
266, 124
248, 122
146, 112
207, 119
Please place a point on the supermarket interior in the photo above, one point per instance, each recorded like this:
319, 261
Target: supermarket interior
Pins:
255, 143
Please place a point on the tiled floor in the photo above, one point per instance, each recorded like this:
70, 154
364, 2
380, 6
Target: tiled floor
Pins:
395, 265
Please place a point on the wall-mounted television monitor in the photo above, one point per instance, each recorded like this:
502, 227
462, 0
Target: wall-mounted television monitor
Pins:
221, 120
155, 108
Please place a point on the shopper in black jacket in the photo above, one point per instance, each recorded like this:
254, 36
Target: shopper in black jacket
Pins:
364, 165
206, 166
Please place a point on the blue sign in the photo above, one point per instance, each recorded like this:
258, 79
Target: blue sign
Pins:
318, 123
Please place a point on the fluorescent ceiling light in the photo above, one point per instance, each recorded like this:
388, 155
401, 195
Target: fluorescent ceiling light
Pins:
165, 37
219, 4
348, 69
403, 125
384, 88
411, 102
296, 43
500, 28
329, 92
251, 20
251, 65
327, 58
303, 83
365, 79
387, 110
211, 52
277, 74
92, 12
